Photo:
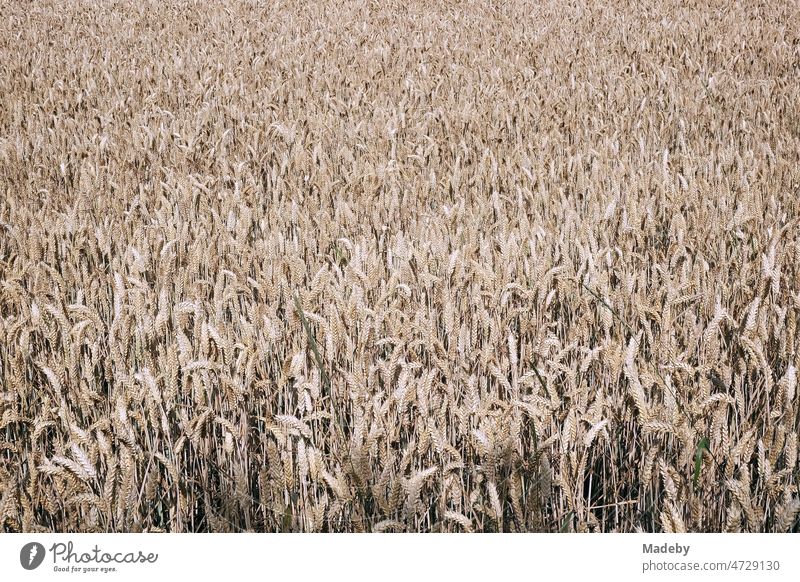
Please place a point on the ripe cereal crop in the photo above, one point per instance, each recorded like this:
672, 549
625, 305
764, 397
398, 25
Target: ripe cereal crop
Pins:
419, 266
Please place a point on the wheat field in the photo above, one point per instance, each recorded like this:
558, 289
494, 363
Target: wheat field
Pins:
418, 266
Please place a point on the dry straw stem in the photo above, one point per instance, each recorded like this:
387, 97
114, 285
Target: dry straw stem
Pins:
405, 266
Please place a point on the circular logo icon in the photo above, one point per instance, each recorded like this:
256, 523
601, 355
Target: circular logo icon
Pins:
31, 555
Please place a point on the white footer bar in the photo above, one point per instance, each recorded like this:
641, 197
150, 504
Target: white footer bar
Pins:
370, 557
